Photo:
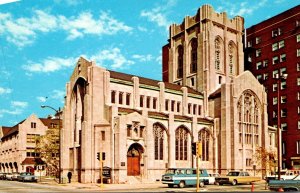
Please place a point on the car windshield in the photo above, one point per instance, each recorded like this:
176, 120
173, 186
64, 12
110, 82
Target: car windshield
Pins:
233, 174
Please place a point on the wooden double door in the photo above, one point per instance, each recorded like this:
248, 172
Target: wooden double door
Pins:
133, 161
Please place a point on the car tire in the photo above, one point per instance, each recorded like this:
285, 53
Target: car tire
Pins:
201, 184
181, 184
170, 185
234, 182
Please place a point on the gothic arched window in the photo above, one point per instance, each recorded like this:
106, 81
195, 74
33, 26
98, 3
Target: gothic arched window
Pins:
232, 58
181, 142
158, 133
180, 62
194, 45
203, 137
249, 116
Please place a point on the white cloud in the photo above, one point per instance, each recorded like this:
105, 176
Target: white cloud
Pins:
41, 99
7, 1
23, 31
50, 64
143, 58
156, 15
113, 58
243, 8
58, 94
11, 112
20, 104
5, 90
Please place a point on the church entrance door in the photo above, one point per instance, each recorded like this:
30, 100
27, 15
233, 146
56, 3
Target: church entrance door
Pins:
133, 160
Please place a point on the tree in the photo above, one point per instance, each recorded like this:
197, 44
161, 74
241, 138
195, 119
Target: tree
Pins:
48, 147
265, 158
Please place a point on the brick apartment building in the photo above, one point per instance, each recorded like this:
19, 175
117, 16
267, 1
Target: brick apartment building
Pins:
272, 48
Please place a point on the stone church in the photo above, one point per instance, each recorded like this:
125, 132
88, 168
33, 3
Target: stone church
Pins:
145, 126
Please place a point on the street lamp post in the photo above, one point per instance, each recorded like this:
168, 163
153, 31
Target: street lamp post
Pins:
57, 113
279, 78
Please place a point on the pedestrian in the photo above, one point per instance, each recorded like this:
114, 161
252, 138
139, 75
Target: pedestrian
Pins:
69, 176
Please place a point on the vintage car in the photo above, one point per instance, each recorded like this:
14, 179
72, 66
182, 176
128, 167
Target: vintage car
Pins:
236, 177
27, 177
15, 175
284, 175
8, 176
285, 185
212, 178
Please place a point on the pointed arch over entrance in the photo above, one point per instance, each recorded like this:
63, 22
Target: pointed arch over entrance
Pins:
134, 156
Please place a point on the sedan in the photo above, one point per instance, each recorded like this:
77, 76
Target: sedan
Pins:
27, 177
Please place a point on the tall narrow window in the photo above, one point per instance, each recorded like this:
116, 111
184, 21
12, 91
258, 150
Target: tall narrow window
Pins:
103, 135
189, 108
154, 102
178, 107
158, 133
128, 99
33, 125
167, 104
180, 62
298, 147
203, 137
181, 141
172, 106
194, 46
194, 109
113, 96
148, 102
120, 97
141, 100
217, 54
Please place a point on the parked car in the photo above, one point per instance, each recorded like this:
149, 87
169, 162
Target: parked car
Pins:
2, 176
285, 185
8, 176
15, 176
184, 177
27, 177
212, 178
236, 177
284, 175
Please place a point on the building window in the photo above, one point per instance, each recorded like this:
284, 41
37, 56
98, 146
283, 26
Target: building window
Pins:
275, 60
274, 114
283, 99
298, 110
148, 102
283, 148
275, 46
283, 112
248, 162
275, 73
141, 100
274, 100
159, 135
31, 138
203, 137
120, 98
113, 96
298, 81
298, 123
154, 102
181, 142
33, 125
276, 32
266, 75
298, 96
298, 52
178, 107
298, 147
258, 53
249, 44
128, 99
166, 104
284, 126
275, 87
281, 44
282, 57
180, 62
194, 46
217, 54
199, 109
258, 65
283, 85
259, 77
282, 70
192, 82
298, 37
257, 40
194, 109
298, 67
265, 63
103, 135
172, 106
128, 130
232, 59
189, 108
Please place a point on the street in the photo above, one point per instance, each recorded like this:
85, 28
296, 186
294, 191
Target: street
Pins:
14, 186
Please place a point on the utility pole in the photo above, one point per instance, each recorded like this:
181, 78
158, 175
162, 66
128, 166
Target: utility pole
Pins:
198, 156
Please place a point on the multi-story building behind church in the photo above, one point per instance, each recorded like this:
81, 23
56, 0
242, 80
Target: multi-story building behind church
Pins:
145, 126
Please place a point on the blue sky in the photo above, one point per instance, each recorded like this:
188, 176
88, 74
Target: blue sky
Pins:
41, 40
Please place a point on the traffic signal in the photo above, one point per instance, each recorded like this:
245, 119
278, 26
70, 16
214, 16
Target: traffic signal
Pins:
103, 155
194, 144
98, 156
199, 149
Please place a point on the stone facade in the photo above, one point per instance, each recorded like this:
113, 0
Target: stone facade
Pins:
145, 126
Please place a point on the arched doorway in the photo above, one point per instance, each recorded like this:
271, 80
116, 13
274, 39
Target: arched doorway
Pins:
134, 155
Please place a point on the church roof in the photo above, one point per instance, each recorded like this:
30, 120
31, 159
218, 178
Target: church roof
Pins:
215, 94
